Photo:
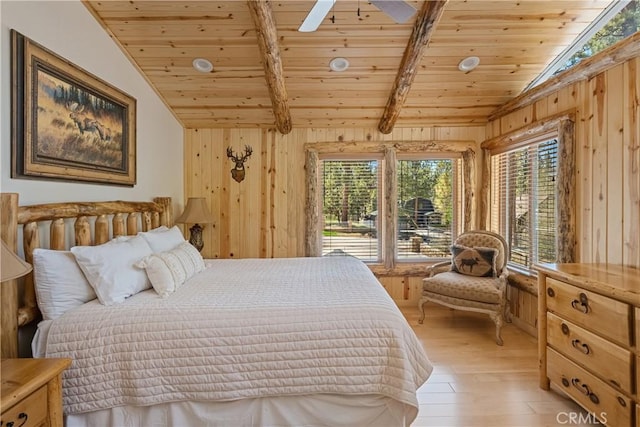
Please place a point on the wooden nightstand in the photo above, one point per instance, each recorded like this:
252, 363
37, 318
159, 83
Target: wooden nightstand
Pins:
32, 392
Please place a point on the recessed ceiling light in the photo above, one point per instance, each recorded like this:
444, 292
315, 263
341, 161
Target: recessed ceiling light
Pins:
468, 64
202, 65
339, 64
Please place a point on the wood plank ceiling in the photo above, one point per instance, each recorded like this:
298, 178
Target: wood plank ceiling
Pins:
514, 40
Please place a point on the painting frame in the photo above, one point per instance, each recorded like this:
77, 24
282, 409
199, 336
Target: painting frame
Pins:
68, 124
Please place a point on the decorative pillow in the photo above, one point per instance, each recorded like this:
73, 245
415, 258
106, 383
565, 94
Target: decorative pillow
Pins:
59, 282
168, 270
110, 268
478, 261
163, 239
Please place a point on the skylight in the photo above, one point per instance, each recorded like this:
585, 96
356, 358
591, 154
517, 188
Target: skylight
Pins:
618, 21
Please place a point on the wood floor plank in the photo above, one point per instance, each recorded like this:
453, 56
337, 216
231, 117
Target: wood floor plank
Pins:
476, 383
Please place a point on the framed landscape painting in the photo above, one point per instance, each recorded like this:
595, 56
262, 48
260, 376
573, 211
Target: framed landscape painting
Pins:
68, 124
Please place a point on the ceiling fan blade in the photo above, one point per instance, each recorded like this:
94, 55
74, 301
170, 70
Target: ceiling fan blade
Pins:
316, 15
399, 10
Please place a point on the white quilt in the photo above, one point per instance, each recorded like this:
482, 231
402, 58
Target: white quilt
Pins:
242, 328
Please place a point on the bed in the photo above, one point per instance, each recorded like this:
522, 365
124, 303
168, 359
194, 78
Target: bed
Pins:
248, 342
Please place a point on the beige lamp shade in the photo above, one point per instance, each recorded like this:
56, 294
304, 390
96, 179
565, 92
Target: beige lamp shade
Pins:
196, 212
12, 266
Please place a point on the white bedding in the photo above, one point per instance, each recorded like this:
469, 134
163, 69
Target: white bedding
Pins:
247, 328
316, 410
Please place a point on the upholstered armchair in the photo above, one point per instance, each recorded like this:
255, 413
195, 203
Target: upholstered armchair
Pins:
474, 280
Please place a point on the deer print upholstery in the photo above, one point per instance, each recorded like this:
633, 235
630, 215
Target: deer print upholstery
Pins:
459, 290
480, 262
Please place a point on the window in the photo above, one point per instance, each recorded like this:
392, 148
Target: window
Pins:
350, 207
618, 21
523, 197
353, 203
425, 189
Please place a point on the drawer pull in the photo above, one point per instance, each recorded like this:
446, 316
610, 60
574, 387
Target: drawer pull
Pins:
584, 389
583, 348
622, 402
551, 292
582, 305
564, 328
22, 416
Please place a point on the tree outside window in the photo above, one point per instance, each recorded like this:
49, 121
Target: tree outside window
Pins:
621, 26
352, 202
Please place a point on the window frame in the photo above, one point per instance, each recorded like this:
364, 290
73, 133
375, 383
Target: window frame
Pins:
380, 231
389, 152
564, 126
456, 190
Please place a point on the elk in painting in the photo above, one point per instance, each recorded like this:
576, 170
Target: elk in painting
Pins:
87, 124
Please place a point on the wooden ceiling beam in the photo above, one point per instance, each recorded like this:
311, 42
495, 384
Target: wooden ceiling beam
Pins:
425, 23
268, 42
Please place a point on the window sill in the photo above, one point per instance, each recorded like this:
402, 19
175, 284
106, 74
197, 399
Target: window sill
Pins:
524, 282
402, 269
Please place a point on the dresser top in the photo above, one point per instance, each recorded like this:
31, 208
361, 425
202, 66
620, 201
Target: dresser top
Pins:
614, 280
21, 377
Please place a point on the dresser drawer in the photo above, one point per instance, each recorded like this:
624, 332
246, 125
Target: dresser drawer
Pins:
612, 407
595, 312
637, 329
637, 377
30, 412
609, 361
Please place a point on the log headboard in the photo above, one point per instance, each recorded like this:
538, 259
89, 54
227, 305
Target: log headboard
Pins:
88, 223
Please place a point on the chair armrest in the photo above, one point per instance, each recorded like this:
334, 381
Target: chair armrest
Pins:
440, 267
503, 277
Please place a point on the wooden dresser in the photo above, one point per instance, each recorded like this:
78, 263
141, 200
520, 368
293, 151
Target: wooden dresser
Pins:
32, 392
589, 337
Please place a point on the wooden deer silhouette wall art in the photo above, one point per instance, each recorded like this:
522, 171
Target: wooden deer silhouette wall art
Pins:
238, 170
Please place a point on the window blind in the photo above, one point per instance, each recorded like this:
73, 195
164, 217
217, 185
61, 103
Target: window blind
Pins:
350, 207
523, 200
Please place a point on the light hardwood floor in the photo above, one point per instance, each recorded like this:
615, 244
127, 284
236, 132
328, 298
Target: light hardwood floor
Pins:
477, 383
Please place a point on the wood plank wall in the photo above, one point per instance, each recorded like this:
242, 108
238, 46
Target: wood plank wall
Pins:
608, 162
263, 216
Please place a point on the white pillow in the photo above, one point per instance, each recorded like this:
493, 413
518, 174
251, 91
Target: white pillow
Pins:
168, 270
163, 239
59, 282
110, 268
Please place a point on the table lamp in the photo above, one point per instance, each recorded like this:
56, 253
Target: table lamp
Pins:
196, 213
12, 266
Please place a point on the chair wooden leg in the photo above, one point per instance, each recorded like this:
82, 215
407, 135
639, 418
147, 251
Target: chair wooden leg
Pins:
507, 313
497, 319
422, 315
